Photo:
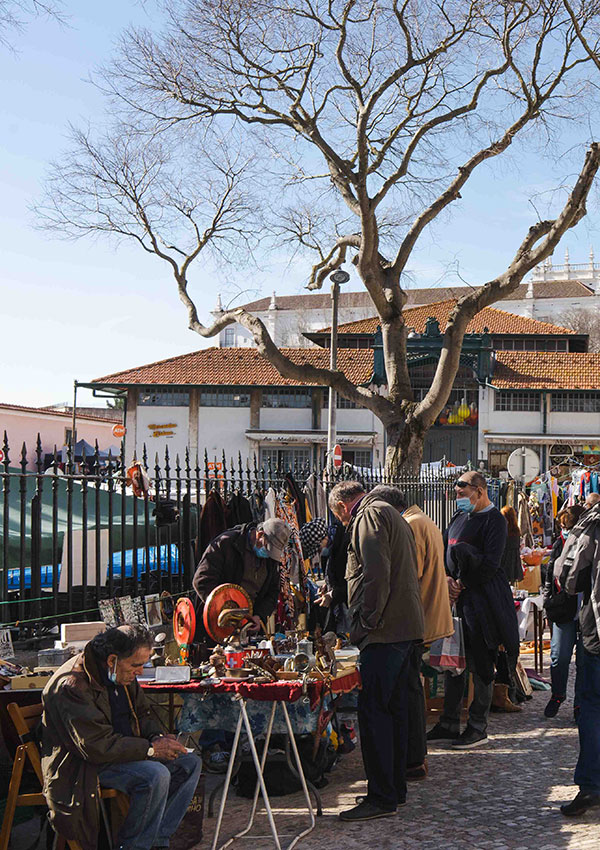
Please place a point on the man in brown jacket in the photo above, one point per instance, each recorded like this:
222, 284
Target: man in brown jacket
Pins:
386, 618
433, 586
97, 730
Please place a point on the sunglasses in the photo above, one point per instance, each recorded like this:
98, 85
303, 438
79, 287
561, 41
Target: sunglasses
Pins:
461, 484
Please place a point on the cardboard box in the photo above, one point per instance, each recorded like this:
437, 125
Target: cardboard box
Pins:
72, 632
532, 579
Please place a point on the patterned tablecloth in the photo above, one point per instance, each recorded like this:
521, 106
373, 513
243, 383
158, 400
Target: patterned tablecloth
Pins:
215, 706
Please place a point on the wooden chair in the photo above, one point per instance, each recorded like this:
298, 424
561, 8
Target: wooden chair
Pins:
25, 719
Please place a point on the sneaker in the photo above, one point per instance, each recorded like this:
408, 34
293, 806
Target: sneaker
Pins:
552, 706
366, 811
582, 802
441, 733
469, 738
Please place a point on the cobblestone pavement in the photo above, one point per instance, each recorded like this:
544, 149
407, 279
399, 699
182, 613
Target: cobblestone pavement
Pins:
501, 796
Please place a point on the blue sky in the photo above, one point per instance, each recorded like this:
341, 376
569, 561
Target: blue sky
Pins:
80, 310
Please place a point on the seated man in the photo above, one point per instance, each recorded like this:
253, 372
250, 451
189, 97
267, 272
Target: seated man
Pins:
248, 555
97, 729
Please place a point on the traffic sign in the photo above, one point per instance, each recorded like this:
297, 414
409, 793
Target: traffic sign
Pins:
119, 431
337, 457
523, 465
1, 456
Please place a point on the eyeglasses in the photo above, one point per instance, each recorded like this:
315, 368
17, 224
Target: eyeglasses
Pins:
461, 484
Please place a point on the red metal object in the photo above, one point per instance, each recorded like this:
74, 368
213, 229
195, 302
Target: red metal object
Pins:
184, 622
224, 597
337, 457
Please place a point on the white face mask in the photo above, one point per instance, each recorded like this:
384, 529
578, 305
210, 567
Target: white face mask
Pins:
112, 674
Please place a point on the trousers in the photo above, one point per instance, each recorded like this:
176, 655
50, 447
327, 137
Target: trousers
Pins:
159, 795
382, 720
479, 710
564, 640
587, 772
417, 721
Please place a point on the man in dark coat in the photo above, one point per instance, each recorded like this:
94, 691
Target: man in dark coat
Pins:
474, 543
386, 617
97, 729
248, 555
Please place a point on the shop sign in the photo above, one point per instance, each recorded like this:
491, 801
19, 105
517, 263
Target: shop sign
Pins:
119, 430
166, 429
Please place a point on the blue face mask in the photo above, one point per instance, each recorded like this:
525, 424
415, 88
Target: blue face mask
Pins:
261, 552
112, 674
465, 504
565, 533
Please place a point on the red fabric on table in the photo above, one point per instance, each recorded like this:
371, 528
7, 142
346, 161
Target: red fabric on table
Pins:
284, 691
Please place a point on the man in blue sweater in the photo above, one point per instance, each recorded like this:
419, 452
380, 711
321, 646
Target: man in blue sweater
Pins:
474, 543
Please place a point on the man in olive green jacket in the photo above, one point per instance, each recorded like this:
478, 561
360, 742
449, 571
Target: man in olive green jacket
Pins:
97, 729
386, 619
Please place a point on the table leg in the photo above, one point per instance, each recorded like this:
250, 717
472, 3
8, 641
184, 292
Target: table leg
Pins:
541, 642
535, 637
236, 740
302, 778
262, 769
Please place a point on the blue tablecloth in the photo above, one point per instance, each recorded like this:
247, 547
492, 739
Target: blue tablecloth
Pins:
221, 711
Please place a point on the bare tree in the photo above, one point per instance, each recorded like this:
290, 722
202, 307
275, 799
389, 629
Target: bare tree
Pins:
380, 111
584, 321
14, 14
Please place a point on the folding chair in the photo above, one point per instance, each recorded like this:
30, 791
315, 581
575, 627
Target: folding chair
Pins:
25, 719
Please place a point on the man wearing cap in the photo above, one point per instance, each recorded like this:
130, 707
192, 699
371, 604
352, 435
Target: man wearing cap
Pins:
248, 555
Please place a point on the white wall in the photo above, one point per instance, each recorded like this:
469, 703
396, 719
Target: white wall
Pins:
224, 429
586, 424
285, 418
169, 428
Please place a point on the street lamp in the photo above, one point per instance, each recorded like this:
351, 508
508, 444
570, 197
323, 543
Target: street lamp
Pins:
337, 278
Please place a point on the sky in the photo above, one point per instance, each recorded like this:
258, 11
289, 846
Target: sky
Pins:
79, 310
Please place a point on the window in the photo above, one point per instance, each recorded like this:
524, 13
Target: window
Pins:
363, 457
285, 458
341, 403
224, 398
228, 337
575, 403
519, 401
284, 397
163, 397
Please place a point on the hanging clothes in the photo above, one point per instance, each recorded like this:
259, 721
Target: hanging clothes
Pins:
238, 510
270, 504
315, 496
297, 497
524, 519
292, 567
213, 520
257, 505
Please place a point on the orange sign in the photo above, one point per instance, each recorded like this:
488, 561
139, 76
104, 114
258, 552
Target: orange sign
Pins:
337, 457
119, 431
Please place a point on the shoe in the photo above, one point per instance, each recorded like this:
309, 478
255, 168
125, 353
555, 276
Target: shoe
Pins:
440, 733
417, 772
362, 798
366, 811
215, 760
469, 738
582, 802
501, 700
552, 706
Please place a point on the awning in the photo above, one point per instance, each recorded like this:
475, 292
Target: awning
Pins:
543, 439
344, 438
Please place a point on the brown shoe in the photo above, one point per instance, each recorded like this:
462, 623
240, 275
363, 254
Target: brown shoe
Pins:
417, 772
501, 700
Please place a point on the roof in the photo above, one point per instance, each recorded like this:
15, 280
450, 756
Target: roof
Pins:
428, 295
48, 411
496, 321
520, 370
239, 367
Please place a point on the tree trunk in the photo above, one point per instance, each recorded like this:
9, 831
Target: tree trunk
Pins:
404, 452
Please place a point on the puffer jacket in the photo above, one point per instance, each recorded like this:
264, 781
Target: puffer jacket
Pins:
383, 588
78, 739
578, 569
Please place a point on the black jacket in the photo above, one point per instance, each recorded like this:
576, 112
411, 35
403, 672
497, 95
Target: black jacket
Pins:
223, 563
579, 568
511, 559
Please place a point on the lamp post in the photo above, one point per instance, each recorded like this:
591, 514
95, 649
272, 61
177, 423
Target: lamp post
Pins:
337, 278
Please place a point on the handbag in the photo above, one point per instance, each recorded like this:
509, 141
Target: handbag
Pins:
448, 654
560, 606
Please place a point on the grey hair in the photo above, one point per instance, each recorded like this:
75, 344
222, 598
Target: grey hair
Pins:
393, 495
122, 641
345, 491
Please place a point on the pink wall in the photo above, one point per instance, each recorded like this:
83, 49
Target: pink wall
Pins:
24, 426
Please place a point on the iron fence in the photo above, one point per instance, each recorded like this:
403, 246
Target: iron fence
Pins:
72, 532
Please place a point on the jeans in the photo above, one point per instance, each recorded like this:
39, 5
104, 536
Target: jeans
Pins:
587, 772
479, 710
159, 795
417, 722
564, 638
382, 720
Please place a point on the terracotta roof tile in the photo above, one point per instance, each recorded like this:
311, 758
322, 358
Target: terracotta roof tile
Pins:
423, 295
517, 370
496, 321
49, 411
239, 367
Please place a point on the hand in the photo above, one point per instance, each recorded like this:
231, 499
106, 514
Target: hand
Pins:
325, 600
167, 748
256, 625
454, 589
